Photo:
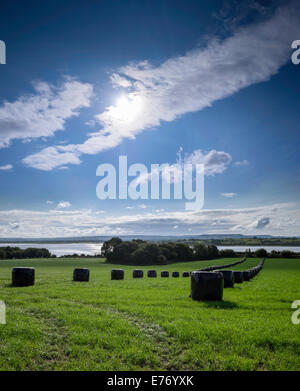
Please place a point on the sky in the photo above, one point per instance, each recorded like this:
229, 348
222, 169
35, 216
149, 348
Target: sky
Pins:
161, 82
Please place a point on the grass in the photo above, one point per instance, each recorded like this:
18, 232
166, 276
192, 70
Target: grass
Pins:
149, 323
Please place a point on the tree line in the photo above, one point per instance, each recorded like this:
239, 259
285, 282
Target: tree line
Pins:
17, 253
141, 252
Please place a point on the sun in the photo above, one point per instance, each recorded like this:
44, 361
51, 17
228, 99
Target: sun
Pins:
127, 108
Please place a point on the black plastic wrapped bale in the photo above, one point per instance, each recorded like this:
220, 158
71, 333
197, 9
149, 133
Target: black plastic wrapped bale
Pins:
164, 273
246, 275
137, 273
23, 276
228, 278
82, 275
152, 273
117, 274
207, 285
185, 274
175, 274
238, 277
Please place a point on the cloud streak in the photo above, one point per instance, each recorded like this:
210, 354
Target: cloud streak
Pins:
6, 167
279, 219
184, 84
44, 112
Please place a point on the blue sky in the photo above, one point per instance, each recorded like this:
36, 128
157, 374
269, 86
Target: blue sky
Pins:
87, 82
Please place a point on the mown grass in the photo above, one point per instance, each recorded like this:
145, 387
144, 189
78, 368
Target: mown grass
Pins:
149, 323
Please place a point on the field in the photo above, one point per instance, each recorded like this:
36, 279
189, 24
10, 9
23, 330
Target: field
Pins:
148, 324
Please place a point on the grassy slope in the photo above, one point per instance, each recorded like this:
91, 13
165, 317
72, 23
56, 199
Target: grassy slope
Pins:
148, 323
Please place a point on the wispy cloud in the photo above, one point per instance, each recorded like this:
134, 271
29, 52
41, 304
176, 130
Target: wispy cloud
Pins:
228, 195
6, 167
142, 206
279, 219
184, 84
261, 223
44, 112
63, 204
215, 162
241, 163
49, 159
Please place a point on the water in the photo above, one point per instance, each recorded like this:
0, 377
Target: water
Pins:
60, 249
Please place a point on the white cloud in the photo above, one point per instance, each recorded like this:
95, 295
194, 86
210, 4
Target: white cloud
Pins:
44, 112
49, 158
241, 163
142, 206
187, 83
215, 162
279, 219
261, 223
228, 195
63, 204
14, 226
6, 167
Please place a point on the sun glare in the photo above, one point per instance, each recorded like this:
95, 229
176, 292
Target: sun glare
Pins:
127, 108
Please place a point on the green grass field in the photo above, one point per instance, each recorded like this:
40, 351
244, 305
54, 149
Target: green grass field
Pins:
149, 323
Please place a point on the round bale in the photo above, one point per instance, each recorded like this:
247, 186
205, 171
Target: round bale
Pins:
82, 275
137, 273
185, 274
207, 285
238, 277
117, 274
164, 273
152, 273
23, 276
228, 278
246, 275
175, 274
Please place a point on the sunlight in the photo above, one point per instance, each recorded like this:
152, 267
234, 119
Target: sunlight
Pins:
127, 108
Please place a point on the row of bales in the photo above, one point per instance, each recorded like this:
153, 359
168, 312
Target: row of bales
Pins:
208, 285
118, 274
205, 284
25, 276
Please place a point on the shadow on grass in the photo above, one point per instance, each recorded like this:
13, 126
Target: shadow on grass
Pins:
17, 286
224, 305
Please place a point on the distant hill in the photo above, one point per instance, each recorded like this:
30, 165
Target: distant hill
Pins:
97, 239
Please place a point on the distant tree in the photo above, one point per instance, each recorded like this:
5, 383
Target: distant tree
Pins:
227, 253
109, 246
168, 251
183, 252
122, 252
200, 251
261, 253
212, 251
149, 254
2, 253
274, 254
286, 254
